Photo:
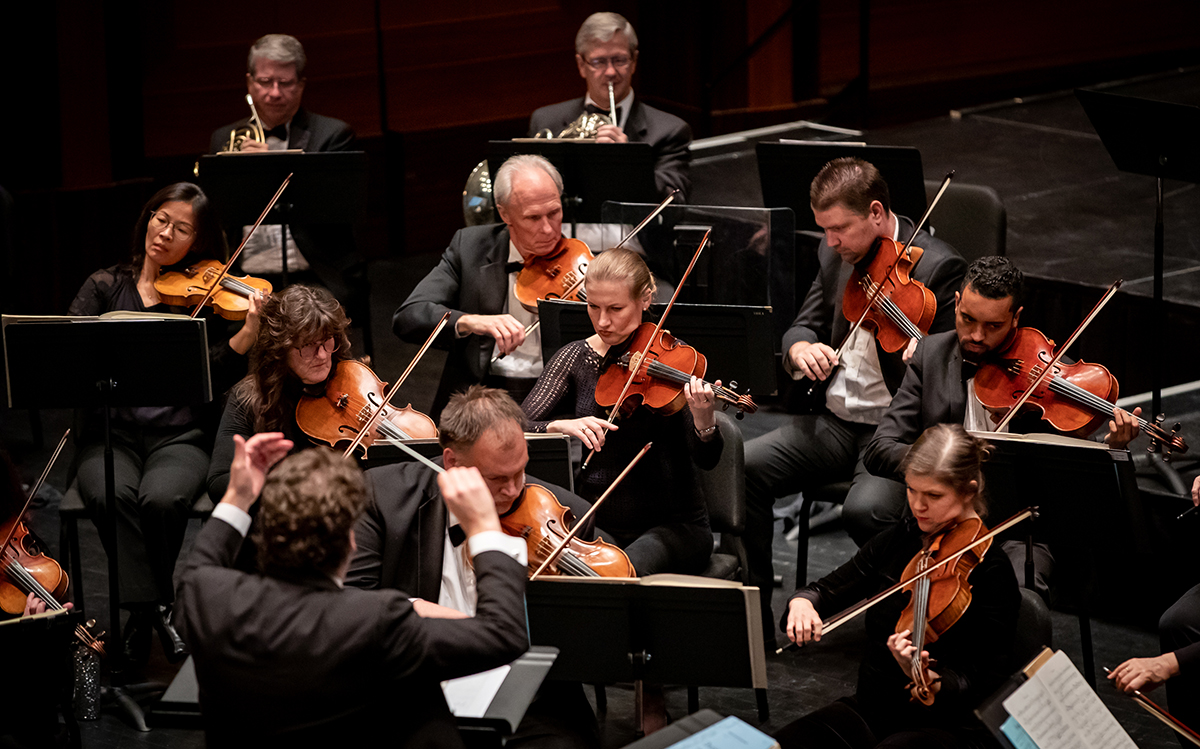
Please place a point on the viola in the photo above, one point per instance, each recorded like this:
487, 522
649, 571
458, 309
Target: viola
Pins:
1073, 398
557, 275
543, 522
661, 365
939, 599
892, 304
231, 300
348, 407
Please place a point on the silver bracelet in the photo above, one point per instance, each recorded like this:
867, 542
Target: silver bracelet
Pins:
706, 432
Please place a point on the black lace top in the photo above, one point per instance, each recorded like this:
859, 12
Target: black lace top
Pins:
662, 489
115, 288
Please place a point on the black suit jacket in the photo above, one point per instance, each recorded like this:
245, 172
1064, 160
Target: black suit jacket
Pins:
301, 659
329, 249
470, 279
668, 135
940, 269
933, 392
401, 537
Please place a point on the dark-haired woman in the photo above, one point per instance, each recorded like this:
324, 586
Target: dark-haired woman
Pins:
965, 664
301, 337
160, 453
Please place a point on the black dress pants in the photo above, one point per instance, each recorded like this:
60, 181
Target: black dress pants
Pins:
158, 475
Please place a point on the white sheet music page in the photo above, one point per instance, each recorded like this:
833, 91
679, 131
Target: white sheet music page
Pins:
1058, 710
470, 696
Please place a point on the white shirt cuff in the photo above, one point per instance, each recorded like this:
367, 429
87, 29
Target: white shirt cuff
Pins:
498, 541
235, 516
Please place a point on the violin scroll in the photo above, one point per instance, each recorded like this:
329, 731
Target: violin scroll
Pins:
1162, 441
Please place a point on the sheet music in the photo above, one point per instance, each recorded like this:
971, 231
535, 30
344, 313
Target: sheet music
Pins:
470, 696
1058, 710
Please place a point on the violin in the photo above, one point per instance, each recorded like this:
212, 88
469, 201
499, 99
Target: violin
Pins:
346, 411
557, 275
661, 365
939, 599
886, 298
27, 569
1073, 398
194, 284
542, 521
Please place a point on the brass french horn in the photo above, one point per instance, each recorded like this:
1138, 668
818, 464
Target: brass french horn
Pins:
252, 130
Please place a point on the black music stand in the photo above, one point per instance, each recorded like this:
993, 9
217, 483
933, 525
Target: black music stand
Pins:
39, 648
739, 342
786, 170
327, 187
1088, 505
91, 362
610, 630
1158, 139
592, 172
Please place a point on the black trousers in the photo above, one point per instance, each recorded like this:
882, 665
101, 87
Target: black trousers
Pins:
1180, 627
158, 475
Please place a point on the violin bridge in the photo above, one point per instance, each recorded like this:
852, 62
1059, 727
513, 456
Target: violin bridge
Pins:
635, 360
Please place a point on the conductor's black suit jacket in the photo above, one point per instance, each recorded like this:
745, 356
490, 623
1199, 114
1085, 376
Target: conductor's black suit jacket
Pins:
470, 279
300, 660
668, 136
940, 269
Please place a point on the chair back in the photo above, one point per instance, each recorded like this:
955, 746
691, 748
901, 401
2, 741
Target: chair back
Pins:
724, 486
972, 218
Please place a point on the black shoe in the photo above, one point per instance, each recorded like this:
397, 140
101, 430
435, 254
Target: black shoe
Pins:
136, 643
173, 645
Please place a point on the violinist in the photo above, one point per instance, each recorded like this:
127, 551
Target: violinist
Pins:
301, 338
160, 454
476, 280
939, 387
851, 203
408, 540
944, 487
658, 513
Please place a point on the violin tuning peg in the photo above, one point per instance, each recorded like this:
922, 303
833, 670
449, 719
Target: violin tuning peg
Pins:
740, 415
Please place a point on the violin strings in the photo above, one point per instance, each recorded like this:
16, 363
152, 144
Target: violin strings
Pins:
894, 313
359, 405
1065, 387
658, 369
567, 560
27, 582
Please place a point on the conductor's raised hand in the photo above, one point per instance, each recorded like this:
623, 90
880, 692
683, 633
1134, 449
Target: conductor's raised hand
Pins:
505, 329
813, 360
467, 496
252, 459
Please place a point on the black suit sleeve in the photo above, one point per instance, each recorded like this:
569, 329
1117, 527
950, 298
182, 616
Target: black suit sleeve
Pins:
216, 546
902, 423
370, 534
448, 648
435, 294
814, 321
671, 170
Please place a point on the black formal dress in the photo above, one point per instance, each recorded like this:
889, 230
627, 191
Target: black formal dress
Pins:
302, 661
330, 249
657, 514
971, 658
821, 448
160, 454
668, 135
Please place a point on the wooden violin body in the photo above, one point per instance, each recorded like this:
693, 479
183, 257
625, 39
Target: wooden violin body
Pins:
939, 599
668, 365
558, 275
189, 286
1075, 398
902, 309
28, 570
351, 397
542, 520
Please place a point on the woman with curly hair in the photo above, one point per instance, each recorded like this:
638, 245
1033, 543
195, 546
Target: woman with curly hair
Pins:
301, 337
160, 453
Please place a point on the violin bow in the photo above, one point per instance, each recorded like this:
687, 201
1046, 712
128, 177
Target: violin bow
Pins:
387, 398
1159, 712
1048, 369
34, 490
853, 611
591, 511
575, 286
636, 364
932, 204
216, 284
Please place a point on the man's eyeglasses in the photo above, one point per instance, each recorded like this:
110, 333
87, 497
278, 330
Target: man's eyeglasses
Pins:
285, 84
309, 352
620, 62
160, 221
